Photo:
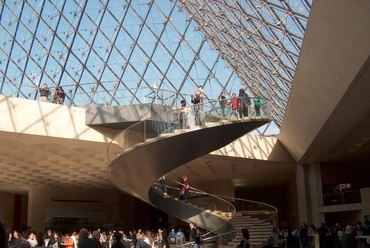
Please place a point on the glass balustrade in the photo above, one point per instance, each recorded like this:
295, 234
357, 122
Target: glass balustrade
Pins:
179, 120
241, 213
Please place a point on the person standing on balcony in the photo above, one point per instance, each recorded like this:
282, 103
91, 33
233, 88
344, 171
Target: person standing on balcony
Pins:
234, 103
59, 95
244, 103
44, 92
257, 103
183, 115
222, 101
197, 100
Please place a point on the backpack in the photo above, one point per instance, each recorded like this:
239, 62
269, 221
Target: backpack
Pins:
179, 240
271, 240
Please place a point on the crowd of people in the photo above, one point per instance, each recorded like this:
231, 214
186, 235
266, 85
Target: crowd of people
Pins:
100, 239
241, 106
349, 236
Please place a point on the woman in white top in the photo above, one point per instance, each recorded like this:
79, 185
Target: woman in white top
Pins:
32, 239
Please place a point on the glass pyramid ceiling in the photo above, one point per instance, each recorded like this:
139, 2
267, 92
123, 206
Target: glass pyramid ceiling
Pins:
134, 51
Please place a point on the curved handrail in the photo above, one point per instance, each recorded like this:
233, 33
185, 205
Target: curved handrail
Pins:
155, 130
270, 218
232, 202
198, 191
195, 116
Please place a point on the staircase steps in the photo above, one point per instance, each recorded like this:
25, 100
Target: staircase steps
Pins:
259, 232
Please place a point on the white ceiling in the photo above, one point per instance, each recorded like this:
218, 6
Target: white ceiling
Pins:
30, 160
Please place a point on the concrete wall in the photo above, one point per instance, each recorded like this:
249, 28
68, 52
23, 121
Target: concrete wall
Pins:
46, 119
7, 211
46, 202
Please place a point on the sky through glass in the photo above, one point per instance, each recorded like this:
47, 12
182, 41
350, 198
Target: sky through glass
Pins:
120, 52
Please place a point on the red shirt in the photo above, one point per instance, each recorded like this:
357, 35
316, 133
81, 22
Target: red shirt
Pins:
233, 102
68, 243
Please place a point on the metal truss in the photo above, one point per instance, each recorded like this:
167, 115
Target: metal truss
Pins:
122, 52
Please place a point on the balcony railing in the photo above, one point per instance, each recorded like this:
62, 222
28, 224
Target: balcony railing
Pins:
177, 120
345, 197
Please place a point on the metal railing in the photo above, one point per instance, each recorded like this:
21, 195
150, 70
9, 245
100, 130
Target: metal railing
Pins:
183, 118
262, 217
346, 197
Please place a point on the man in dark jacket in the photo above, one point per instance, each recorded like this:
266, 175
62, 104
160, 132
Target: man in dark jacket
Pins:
85, 241
194, 235
117, 237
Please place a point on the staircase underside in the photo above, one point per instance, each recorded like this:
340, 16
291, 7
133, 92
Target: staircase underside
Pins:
137, 169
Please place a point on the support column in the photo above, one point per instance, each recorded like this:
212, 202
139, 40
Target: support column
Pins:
315, 193
301, 193
17, 212
309, 193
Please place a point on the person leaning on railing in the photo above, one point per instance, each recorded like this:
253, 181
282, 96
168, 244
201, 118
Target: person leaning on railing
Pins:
222, 101
234, 103
197, 99
257, 103
44, 92
183, 115
59, 95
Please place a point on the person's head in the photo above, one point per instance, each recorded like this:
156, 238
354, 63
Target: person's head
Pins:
15, 234
358, 224
49, 232
192, 225
84, 233
275, 229
96, 235
349, 228
183, 102
117, 236
44, 85
31, 235
233, 95
245, 233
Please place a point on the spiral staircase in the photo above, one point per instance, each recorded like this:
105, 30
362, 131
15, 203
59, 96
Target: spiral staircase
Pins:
156, 146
